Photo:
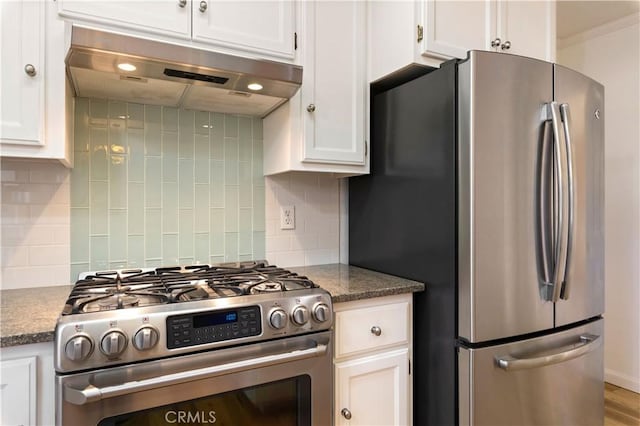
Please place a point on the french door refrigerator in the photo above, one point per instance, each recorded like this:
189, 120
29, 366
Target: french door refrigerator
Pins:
487, 185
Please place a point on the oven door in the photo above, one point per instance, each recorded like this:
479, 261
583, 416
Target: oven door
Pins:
283, 382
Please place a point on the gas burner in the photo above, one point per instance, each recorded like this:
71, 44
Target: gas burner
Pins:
265, 287
115, 301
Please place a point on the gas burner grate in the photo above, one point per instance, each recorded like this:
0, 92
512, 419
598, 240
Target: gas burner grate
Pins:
121, 289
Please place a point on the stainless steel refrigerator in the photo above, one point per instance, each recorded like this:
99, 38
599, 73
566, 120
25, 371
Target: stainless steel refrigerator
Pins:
487, 184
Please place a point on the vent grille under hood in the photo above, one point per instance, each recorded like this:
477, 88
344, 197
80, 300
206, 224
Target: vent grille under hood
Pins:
173, 75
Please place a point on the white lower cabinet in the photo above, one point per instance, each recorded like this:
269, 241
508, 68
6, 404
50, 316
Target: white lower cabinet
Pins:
18, 391
373, 390
27, 385
373, 352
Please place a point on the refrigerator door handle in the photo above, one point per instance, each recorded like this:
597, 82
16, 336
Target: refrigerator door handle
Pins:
566, 125
586, 344
544, 213
561, 228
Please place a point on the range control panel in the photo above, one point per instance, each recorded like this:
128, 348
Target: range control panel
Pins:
108, 338
216, 326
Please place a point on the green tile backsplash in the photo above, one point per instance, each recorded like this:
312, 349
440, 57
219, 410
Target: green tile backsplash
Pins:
160, 186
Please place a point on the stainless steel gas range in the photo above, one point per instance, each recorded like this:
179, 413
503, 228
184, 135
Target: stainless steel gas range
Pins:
233, 344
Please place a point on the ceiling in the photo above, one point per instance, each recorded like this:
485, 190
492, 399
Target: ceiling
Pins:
574, 17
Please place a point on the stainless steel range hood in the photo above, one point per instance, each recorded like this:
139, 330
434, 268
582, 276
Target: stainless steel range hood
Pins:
173, 75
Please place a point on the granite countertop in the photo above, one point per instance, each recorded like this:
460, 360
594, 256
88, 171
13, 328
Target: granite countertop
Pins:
347, 283
29, 315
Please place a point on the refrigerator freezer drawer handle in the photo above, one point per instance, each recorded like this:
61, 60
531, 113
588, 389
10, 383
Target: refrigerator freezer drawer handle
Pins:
587, 343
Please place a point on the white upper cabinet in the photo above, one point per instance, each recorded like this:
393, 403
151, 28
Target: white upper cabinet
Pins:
22, 54
520, 27
454, 27
428, 32
165, 17
528, 28
323, 127
253, 26
33, 105
264, 29
334, 98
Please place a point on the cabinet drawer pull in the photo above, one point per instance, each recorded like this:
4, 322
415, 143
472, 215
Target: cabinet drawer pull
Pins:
30, 70
203, 6
506, 45
496, 42
346, 413
376, 330
182, 3
311, 108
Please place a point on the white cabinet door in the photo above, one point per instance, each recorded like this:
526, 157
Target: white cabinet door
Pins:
18, 391
22, 82
453, 27
333, 91
264, 27
165, 17
373, 390
528, 27
35, 112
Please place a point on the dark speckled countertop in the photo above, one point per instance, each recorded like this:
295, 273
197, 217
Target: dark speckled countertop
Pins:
347, 283
29, 315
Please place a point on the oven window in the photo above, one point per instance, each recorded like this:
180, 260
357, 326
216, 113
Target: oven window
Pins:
282, 403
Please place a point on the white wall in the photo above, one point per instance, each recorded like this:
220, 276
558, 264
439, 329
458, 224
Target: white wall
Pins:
611, 55
316, 238
34, 224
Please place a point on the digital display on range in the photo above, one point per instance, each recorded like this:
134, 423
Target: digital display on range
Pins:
215, 318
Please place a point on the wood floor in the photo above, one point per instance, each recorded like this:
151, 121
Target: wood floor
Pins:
621, 406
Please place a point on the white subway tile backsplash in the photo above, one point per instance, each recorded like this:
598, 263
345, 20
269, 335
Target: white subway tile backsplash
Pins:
15, 256
288, 259
34, 219
278, 243
48, 255
315, 239
321, 256
35, 276
304, 241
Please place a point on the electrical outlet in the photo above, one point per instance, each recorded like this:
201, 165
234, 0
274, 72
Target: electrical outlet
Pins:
287, 217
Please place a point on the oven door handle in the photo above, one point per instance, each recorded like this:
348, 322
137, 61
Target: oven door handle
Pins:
93, 394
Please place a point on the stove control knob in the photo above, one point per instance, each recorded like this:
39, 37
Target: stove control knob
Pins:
145, 338
321, 312
278, 319
78, 348
113, 343
300, 315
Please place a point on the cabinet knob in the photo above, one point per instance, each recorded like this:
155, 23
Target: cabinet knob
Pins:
30, 70
203, 6
375, 330
311, 107
506, 45
346, 413
182, 3
496, 42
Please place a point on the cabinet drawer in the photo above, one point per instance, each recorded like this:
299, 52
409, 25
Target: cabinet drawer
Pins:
369, 328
